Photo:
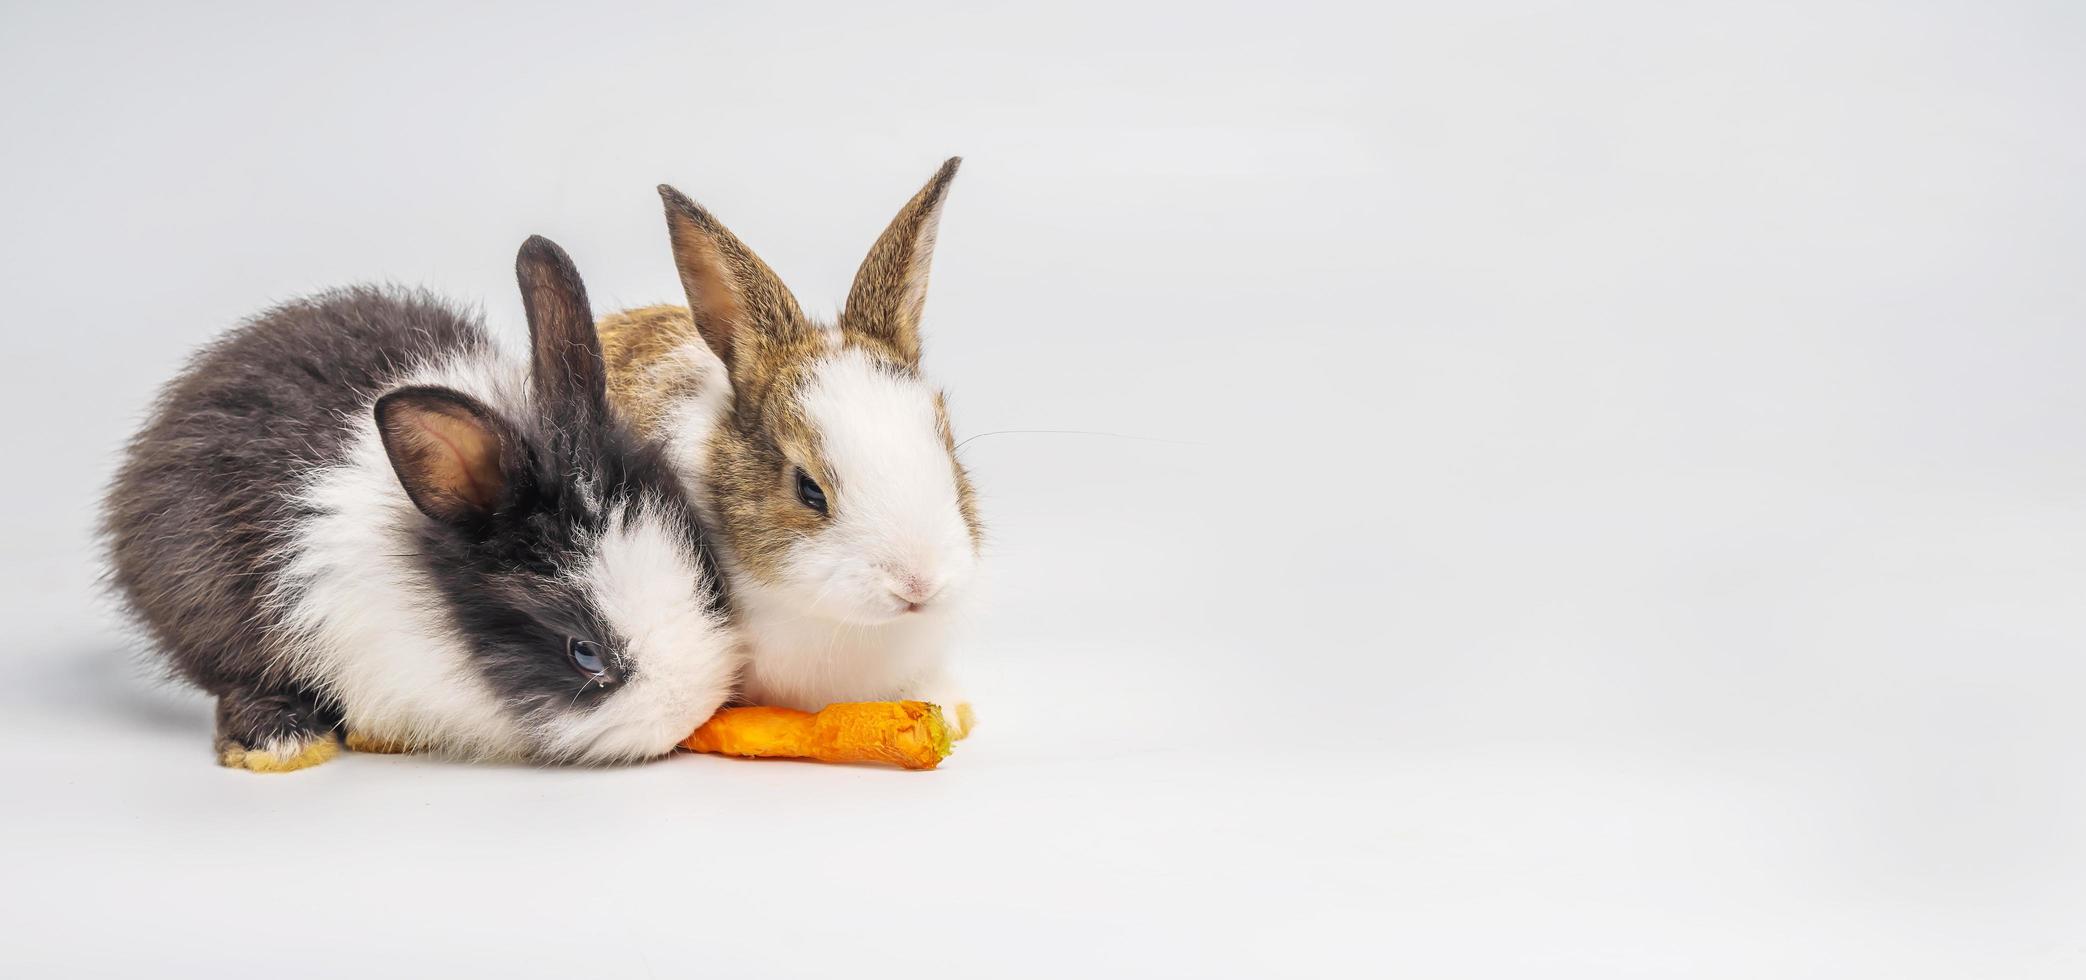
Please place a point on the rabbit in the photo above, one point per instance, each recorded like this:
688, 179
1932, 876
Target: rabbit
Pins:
354, 513
819, 456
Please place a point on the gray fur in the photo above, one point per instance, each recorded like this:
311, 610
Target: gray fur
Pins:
205, 510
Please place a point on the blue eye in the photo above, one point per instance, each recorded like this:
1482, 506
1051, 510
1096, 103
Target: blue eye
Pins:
586, 656
810, 493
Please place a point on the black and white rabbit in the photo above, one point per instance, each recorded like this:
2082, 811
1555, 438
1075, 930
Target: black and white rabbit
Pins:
821, 455
355, 515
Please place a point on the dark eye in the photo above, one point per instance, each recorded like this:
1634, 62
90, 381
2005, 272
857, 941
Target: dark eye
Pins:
586, 656
808, 491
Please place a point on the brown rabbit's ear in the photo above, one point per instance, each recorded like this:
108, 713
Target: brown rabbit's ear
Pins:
454, 458
567, 371
891, 288
737, 301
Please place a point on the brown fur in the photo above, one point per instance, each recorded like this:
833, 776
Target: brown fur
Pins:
744, 314
890, 291
644, 377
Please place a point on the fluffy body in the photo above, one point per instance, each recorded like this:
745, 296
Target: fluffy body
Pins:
856, 602
819, 609
272, 548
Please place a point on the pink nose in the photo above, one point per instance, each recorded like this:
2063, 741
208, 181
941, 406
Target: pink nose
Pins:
914, 589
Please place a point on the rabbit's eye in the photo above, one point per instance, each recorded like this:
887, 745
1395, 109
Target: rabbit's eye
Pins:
809, 492
586, 656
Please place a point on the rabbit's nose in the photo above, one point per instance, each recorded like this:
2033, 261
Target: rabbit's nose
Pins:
915, 589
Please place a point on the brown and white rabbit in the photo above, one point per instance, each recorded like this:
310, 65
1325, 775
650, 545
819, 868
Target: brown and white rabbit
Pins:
356, 512
820, 457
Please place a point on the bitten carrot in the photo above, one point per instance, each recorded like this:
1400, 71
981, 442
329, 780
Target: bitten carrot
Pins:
912, 734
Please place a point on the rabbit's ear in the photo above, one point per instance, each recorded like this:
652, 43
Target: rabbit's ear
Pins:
566, 367
891, 288
457, 461
739, 305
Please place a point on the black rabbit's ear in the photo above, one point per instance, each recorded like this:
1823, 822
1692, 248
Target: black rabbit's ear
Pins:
569, 375
457, 461
890, 291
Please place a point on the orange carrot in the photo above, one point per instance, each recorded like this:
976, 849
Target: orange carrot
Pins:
912, 734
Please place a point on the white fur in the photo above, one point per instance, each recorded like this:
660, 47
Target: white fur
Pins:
646, 582
691, 420
837, 627
895, 536
368, 627
372, 631
796, 659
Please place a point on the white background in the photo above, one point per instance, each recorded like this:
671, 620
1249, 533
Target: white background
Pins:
1606, 495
